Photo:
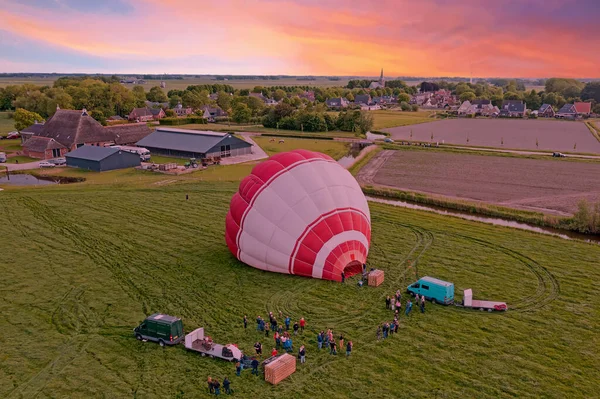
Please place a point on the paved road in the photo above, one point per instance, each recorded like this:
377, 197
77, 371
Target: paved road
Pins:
520, 152
22, 166
257, 152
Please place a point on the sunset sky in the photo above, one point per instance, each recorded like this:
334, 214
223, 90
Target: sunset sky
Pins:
509, 38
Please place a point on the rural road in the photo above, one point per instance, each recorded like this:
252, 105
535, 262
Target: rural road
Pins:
22, 166
520, 152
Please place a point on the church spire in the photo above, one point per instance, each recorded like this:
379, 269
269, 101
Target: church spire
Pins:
381, 78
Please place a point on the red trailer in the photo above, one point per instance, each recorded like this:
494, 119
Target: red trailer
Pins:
469, 302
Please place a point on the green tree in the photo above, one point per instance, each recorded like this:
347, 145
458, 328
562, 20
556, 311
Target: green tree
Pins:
403, 97
404, 106
195, 99
174, 100
533, 100
139, 96
365, 121
414, 107
467, 96
591, 91
241, 113
156, 94
279, 95
24, 118
511, 95
170, 113
99, 116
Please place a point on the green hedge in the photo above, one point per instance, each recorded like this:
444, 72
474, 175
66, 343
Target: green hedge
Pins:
183, 121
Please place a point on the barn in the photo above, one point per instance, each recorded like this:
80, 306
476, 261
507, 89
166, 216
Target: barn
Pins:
185, 143
100, 159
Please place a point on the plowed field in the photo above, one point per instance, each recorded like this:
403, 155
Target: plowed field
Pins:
553, 186
550, 135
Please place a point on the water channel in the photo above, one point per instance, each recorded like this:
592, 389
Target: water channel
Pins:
565, 234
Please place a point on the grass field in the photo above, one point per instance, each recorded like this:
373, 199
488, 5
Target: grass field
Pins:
6, 125
10, 145
385, 119
334, 149
78, 278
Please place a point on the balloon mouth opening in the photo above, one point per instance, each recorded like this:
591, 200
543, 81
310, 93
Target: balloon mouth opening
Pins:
352, 268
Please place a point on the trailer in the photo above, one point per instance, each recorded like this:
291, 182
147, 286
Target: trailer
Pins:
197, 342
469, 302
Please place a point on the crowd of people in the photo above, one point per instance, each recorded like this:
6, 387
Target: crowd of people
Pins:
394, 303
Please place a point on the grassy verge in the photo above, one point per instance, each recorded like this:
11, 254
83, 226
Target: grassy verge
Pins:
335, 149
387, 118
359, 164
518, 215
164, 159
21, 159
593, 129
10, 145
6, 124
223, 127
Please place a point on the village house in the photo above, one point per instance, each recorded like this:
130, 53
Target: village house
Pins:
308, 95
546, 111
384, 100
338, 102
30, 131
513, 109
364, 99
67, 130
146, 114
211, 113
466, 108
265, 100
182, 111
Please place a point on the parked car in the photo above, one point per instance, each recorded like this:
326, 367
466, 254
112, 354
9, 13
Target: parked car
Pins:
558, 155
2, 157
46, 164
435, 290
388, 140
161, 328
58, 161
13, 135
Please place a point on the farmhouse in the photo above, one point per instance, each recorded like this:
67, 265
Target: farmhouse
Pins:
583, 109
567, 111
466, 108
43, 148
546, 111
194, 143
101, 159
513, 109
339, 102
146, 114
73, 128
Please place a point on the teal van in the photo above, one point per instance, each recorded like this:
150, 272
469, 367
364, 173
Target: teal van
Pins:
437, 291
161, 328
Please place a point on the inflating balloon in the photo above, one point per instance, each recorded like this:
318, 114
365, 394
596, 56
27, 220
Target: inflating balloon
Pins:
301, 213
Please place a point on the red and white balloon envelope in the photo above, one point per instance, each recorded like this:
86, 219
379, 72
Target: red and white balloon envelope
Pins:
300, 212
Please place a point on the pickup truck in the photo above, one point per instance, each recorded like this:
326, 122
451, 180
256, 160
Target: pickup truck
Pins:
197, 342
469, 302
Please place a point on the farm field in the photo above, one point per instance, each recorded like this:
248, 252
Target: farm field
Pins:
335, 149
552, 186
551, 135
77, 279
386, 119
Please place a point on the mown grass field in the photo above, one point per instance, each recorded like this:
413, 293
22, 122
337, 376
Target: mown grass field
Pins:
77, 278
334, 149
6, 125
385, 119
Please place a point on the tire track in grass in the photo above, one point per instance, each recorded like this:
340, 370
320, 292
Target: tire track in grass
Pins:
548, 286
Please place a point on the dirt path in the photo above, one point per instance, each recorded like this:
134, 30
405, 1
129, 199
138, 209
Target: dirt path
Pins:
368, 172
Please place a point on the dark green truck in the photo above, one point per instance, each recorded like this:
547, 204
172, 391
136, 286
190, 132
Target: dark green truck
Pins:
161, 328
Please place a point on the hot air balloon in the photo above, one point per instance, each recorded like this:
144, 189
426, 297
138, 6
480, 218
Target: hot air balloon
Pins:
302, 213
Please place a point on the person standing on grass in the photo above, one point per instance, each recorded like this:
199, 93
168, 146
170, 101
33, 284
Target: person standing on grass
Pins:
274, 352
320, 340
341, 341
266, 330
343, 277
245, 322
257, 323
387, 302
258, 348
302, 354
348, 348
238, 369
277, 340
422, 304
302, 325
296, 326
398, 305
391, 328
226, 386
408, 307
211, 386
254, 366
331, 348
288, 320
217, 386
